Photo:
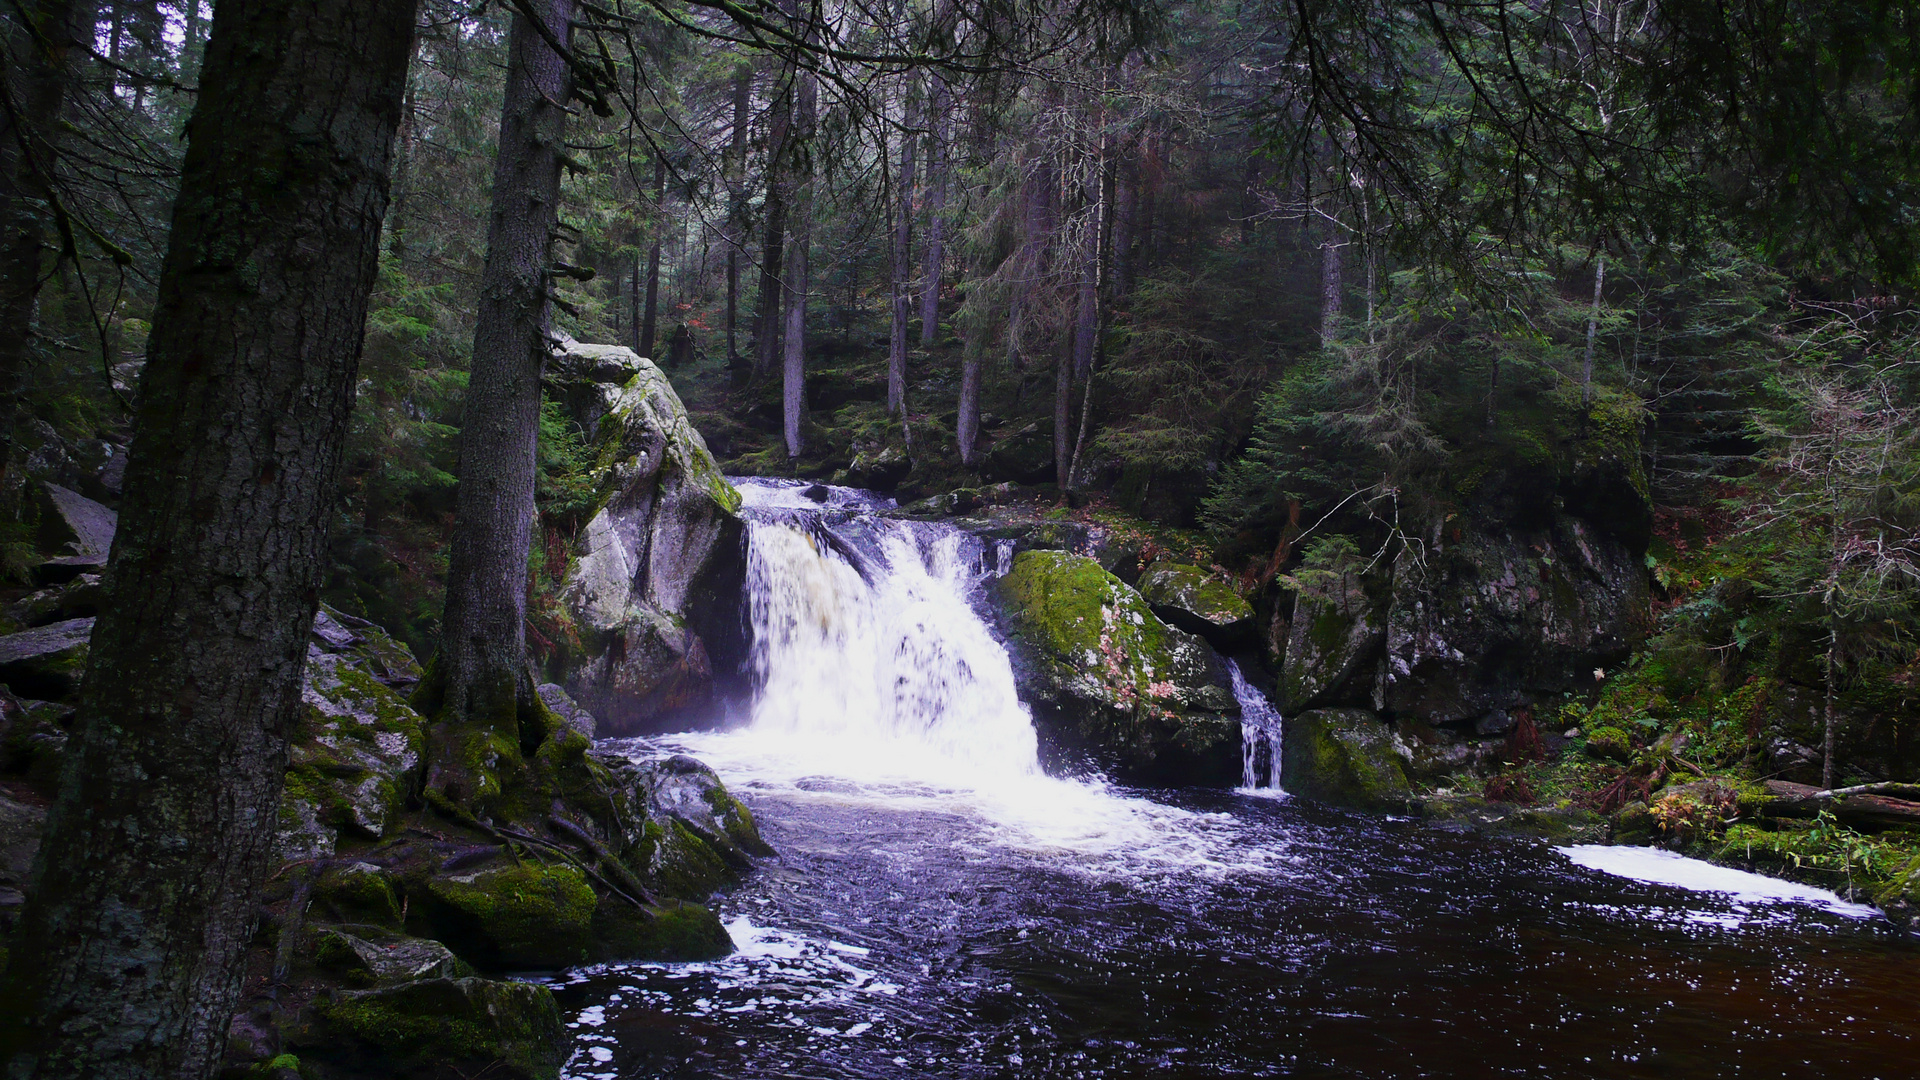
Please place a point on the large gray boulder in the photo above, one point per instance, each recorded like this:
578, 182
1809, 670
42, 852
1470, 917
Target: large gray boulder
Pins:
1107, 677
1196, 601
655, 580
1502, 618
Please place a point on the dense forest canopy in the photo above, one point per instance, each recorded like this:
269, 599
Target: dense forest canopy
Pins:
1309, 285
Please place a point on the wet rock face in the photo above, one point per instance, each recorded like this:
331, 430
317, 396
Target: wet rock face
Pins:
1498, 620
654, 567
1107, 677
507, 1029
1333, 639
1349, 757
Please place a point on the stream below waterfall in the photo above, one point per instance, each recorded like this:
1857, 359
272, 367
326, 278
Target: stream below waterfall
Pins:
941, 907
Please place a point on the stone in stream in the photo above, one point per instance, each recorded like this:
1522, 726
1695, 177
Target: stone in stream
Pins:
655, 579
1348, 757
1108, 678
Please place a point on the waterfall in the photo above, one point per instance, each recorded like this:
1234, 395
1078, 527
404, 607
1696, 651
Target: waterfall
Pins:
1260, 735
865, 641
881, 685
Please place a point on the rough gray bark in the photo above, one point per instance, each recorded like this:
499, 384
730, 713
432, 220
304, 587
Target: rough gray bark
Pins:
903, 273
478, 692
937, 170
1332, 284
736, 202
41, 35
650, 318
127, 962
1593, 330
1125, 182
793, 370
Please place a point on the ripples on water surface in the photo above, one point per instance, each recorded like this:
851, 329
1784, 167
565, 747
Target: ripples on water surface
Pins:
897, 937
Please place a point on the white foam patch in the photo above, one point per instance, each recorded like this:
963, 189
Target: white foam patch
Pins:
1659, 867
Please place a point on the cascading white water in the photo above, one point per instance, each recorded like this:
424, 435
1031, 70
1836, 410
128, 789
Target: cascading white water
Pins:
1260, 736
880, 684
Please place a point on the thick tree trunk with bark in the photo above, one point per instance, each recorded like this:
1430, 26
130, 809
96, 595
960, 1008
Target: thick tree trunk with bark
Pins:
38, 53
478, 693
650, 318
903, 273
937, 172
772, 315
1593, 331
793, 370
127, 962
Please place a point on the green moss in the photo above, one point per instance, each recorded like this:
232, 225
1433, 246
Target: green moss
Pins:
1080, 615
677, 862
513, 918
358, 893
1609, 743
675, 933
1345, 756
505, 1028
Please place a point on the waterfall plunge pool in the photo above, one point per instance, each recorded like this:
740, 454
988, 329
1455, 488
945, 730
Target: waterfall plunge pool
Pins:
940, 907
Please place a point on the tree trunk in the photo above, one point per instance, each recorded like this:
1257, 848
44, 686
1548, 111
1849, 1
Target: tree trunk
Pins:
772, 317
127, 960
1125, 181
39, 81
479, 693
1593, 332
1331, 284
1086, 323
793, 370
736, 203
937, 106
650, 318
903, 274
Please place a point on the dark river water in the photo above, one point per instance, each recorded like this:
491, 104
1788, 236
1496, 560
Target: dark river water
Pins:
895, 938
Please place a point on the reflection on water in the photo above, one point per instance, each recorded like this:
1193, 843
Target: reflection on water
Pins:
902, 942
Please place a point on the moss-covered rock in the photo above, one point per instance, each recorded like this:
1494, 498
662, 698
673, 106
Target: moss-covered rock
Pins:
1609, 744
1196, 601
1138, 693
356, 755
676, 933
666, 534
1335, 633
368, 956
357, 892
426, 1027
680, 829
1348, 757
512, 918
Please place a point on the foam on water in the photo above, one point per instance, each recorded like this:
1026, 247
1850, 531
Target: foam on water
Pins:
881, 684
1659, 867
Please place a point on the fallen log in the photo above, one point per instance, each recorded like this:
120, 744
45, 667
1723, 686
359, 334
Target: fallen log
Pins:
1864, 806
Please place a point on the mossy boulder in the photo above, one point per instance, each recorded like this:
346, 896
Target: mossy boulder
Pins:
512, 918
357, 892
654, 583
1332, 641
1609, 744
681, 831
470, 1026
676, 933
1109, 677
356, 756
1349, 757
1198, 602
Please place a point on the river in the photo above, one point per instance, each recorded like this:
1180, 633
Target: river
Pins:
941, 907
